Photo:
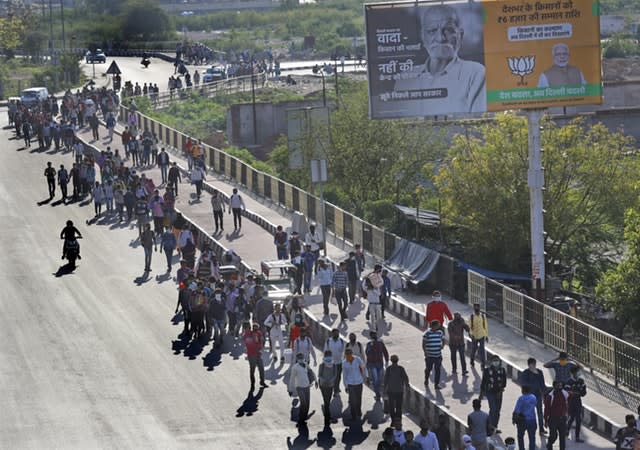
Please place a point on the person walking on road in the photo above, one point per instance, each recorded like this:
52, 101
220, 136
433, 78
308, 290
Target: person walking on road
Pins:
479, 426
236, 205
276, 322
479, 335
524, 417
98, 198
168, 245
395, 382
353, 376
336, 346
339, 284
254, 343
432, 344
303, 345
562, 366
456, 329
324, 276
353, 275
534, 378
148, 242
163, 164
174, 177
577, 389
627, 436
280, 239
50, 175
377, 361
300, 381
556, 404
437, 309
217, 205
63, 180
328, 376
197, 179
492, 386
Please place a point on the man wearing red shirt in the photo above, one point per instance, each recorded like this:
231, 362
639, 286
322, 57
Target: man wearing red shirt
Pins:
437, 310
555, 414
254, 342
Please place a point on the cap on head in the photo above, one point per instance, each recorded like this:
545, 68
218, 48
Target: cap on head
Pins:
466, 439
563, 355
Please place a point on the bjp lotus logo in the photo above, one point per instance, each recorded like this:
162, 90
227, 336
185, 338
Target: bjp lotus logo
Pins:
521, 66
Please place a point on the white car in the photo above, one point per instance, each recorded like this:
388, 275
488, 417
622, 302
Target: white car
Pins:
34, 95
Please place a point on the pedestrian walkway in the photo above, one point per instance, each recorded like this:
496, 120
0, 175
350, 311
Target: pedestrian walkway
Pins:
254, 244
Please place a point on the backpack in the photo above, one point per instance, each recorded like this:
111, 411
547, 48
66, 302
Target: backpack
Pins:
281, 239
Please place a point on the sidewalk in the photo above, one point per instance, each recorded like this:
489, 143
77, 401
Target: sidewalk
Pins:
254, 244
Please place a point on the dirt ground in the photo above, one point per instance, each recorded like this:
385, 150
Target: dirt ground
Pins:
621, 69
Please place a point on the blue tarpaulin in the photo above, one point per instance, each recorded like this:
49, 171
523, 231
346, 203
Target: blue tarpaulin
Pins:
493, 274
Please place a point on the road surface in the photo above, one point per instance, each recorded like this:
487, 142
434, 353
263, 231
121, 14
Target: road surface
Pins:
92, 360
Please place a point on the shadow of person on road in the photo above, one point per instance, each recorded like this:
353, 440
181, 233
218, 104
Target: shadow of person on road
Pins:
45, 202
325, 438
301, 441
163, 278
180, 344
461, 389
142, 279
212, 359
354, 435
375, 416
250, 404
233, 236
65, 270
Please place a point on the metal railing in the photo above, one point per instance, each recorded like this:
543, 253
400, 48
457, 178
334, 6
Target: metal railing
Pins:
590, 346
207, 90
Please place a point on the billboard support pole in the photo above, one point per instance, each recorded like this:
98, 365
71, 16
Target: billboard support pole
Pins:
535, 179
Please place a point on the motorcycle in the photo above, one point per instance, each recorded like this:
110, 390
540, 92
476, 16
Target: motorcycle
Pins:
72, 251
145, 62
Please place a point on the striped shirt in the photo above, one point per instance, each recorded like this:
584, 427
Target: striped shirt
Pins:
340, 280
432, 343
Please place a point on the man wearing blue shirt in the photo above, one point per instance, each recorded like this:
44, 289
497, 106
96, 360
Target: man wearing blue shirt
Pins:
524, 417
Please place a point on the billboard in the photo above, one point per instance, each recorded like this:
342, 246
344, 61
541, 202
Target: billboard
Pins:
466, 58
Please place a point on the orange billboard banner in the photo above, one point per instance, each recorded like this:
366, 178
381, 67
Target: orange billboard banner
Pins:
542, 53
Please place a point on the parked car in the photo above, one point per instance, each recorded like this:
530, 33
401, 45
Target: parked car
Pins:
213, 74
95, 57
34, 95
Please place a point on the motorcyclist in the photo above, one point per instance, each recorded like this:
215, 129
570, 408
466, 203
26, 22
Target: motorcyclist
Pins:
69, 233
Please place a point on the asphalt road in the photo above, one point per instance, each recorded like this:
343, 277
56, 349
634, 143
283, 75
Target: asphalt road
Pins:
91, 359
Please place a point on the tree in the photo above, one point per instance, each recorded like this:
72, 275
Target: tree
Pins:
485, 195
11, 30
145, 20
619, 287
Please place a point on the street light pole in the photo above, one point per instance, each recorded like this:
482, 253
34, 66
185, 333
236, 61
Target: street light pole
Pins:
253, 103
62, 19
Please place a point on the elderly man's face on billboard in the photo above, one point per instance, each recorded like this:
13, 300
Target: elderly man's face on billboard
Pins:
561, 55
441, 33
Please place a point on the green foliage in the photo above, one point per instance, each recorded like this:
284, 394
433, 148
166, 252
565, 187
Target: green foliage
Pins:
484, 193
246, 156
144, 20
370, 163
619, 7
620, 47
619, 287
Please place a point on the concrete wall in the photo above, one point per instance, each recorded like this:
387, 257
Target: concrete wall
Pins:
271, 120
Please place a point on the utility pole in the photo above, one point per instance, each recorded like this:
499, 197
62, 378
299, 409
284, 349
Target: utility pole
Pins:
62, 20
535, 180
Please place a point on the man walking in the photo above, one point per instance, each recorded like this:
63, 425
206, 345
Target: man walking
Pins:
300, 382
524, 417
275, 323
335, 345
494, 382
456, 329
395, 382
555, 414
50, 175
432, 344
147, 240
562, 366
163, 164
217, 205
339, 283
577, 389
236, 205
353, 376
63, 180
479, 335
328, 376
479, 425
377, 360
174, 177
534, 378
437, 309
280, 239
254, 343
197, 178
